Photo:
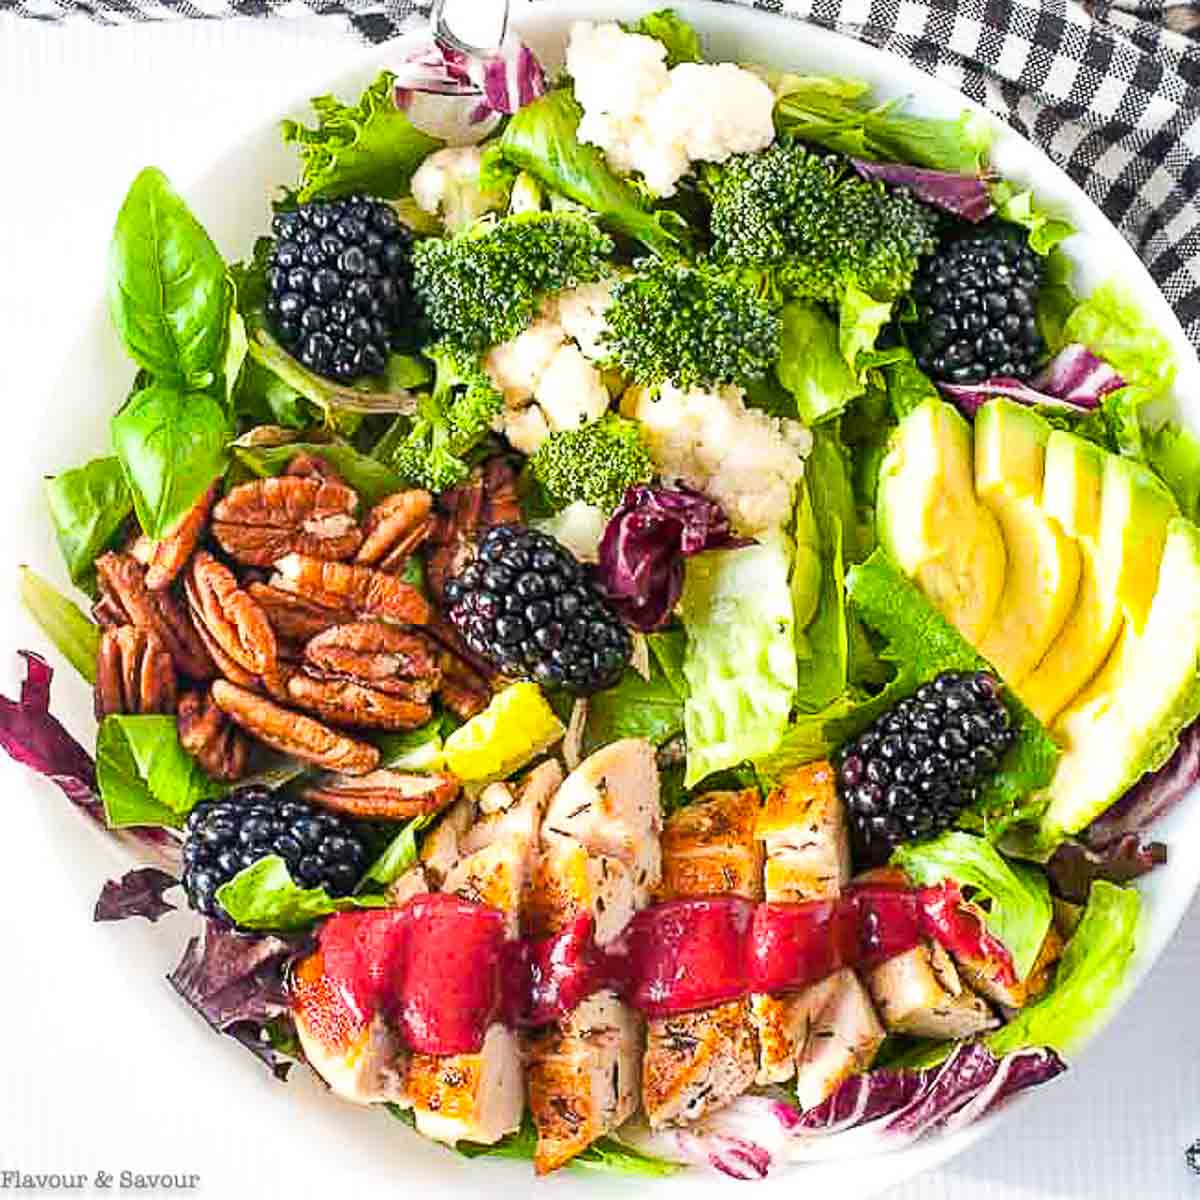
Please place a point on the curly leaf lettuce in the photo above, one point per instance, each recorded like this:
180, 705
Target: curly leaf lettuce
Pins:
369, 147
812, 366
1044, 230
682, 42
740, 662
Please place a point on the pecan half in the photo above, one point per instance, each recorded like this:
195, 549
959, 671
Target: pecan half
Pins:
368, 592
294, 618
134, 673
464, 691
126, 600
386, 657
293, 733
260, 522
170, 555
348, 702
394, 528
230, 617
384, 795
211, 738
488, 498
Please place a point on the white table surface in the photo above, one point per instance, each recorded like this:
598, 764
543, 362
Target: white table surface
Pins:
81, 110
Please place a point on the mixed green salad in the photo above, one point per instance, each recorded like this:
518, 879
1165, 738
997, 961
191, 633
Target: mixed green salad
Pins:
717, 444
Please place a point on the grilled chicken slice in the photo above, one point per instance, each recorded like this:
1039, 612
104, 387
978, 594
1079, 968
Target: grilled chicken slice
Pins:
981, 976
481, 1097
840, 1039
803, 829
698, 1062
440, 849
473, 1097
584, 1073
921, 993
609, 804
583, 1078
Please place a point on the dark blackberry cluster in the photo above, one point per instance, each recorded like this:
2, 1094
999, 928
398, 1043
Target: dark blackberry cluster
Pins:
525, 604
226, 836
976, 303
910, 773
338, 285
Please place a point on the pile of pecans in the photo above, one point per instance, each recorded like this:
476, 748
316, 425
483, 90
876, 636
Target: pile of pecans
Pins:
275, 615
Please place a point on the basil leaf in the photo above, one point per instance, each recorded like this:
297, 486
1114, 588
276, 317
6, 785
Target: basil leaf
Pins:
88, 506
367, 476
145, 776
172, 446
263, 896
167, 288
75, 637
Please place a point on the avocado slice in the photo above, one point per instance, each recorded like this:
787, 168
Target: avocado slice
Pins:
1072, 495
1042, 579
931, 522
1129, 720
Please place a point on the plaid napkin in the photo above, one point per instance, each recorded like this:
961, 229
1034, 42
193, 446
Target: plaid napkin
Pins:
1110, 90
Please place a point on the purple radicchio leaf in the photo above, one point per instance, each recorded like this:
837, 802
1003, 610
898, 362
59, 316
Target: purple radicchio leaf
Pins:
35, 738
138, 893
1074, 867
965, 196
889, 1109
238, 984
1152, 796
502, 82
644, 545
1075, 379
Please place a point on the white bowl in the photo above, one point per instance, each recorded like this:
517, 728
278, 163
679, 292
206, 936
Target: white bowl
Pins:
332, 1141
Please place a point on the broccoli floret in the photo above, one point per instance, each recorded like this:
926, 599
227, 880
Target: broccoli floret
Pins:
449, 422
595, 464
483, 286
694, 326
814, 226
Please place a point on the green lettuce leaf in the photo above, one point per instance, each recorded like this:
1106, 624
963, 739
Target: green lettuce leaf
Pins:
811, 365
1044, 230
636, 707
369, 477
145, 776
74, 634
740, 663
369, 147
88, 507
398, 855
1056, 299
1014, 897
922, 644
1088, 976
265, 898
1174, 454
1112, 326
681, 40
860, 319
837, 113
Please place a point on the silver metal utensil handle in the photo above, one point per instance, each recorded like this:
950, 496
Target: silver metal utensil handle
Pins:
471, 26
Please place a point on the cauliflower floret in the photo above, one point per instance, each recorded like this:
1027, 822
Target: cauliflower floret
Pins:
579, 527
446, 185
656, 121
518, 365
571, 392
582, 313
747, 461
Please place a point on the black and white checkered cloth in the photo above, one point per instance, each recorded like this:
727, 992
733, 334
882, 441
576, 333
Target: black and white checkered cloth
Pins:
1110, 90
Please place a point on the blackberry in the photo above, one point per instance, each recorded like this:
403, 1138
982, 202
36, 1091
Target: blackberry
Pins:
908, 775
226, 836
525, 604
338, 278
977, 303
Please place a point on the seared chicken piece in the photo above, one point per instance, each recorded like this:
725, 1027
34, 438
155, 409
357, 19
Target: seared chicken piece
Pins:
584, 1073
697, 1062
803, 828
921, 993
414, 882
840, 1040
476, 1097
440, 850
609, 804
480, 1097
980, 974
583, 1078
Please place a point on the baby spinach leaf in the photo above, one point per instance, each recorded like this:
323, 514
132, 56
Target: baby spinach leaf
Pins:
167, 288
636, 707
75, 637
145, 776
88, 507
264, 897
369, 147
171, 445
367, 476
